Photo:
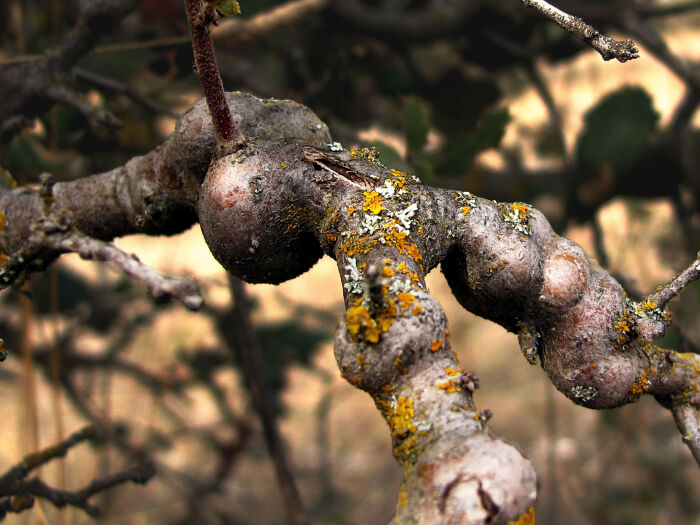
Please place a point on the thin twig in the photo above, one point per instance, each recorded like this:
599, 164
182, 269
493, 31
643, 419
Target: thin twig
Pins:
92, 113
249, 351
686, 418
622, 50
230, 29
228, 136
110, 84
263, 24
140, 474
661, 297
160, 286
37, 459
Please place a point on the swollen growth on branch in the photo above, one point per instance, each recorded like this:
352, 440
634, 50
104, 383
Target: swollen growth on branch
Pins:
273, 193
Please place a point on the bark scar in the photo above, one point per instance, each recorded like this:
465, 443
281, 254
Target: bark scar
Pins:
337, 167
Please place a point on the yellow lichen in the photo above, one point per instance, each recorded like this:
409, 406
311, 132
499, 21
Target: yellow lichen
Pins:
373, 202
361, 325
401, 418
403, 496
450, 386
640, 385
387, 272
283, 166
405, 300
526, 519
465, 210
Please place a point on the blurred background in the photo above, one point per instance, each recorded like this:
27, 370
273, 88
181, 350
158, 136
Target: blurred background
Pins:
487, 97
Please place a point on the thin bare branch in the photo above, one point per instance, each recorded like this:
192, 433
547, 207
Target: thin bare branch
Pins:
249, 351
622, 50
263, 24
114, 86
160, 286
94, 114
686, 418
661, 297
19, 494
37, 459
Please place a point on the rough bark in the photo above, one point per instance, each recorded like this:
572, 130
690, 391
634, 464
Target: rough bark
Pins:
271, 209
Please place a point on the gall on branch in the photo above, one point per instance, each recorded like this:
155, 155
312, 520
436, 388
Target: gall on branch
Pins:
272, 208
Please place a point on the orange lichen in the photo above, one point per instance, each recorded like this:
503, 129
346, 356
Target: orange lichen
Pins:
351, 210
387, 271
450, 386
640, 385
361, 325
401, 418
525, 519
405, 300
373, 202
417, 309
331, 237
401, 241
436, 345
400, 180
403, 496
452, 372
398, 363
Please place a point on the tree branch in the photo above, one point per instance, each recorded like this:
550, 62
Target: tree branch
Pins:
37, 459
228, 136
622, 50
249, 352
24, 85
18, 494
686, 418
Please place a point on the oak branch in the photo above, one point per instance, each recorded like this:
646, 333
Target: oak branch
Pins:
270, 210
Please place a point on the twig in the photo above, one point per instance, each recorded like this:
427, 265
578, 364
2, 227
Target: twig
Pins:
265, 23
622, 50
228, 136
686, 418
140, 474
661, 297
110, 84
92, 113
249, 350
37, 459
230, 29
160, 286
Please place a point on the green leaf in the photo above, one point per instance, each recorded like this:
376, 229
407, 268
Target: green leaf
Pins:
617, 129
458, 153
228, 8
416, 123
